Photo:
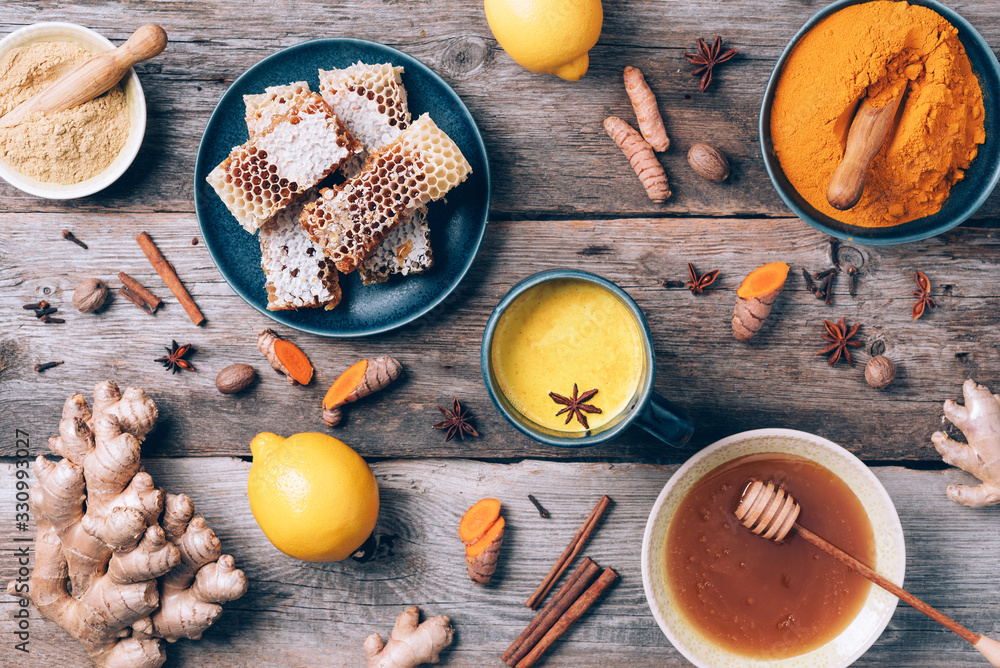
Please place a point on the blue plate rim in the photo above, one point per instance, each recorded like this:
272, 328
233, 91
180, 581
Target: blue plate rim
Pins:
764, 131
471, 257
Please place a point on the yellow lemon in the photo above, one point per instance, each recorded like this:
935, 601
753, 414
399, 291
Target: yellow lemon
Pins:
314, 497
547, 36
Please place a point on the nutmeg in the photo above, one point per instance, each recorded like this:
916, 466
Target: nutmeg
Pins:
708, 162
880, 372
90, 295
235, 378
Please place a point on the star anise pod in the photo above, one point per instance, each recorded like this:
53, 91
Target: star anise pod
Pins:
575, 405
923, 295
841, 341
706, 59
697, 284
174, 360
456, 421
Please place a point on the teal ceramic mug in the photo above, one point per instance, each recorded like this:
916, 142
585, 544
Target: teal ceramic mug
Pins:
646, 408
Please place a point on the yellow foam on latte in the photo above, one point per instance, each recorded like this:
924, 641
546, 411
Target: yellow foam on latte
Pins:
565, 332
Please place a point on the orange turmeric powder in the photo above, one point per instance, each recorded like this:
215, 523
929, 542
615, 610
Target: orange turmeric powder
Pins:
872, 50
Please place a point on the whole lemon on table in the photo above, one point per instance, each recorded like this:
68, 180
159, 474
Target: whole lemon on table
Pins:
314, 497
547, 36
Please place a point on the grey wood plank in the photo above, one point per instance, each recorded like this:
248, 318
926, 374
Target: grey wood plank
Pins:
303, 614
549, 152
775, 381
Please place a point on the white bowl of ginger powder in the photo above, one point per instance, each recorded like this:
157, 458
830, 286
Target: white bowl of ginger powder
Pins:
71, 153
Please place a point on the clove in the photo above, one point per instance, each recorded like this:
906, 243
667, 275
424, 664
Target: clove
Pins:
852, 280
50, 319
69, 236
34, 306
823, 274
48, 365
834, 244
48, 310
809, 280
541, 510
827, 288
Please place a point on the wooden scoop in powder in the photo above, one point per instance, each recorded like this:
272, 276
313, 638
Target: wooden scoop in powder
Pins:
868, 133
94, 77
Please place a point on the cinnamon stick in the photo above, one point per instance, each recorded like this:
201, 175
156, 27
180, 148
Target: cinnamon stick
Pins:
575, 611
574, 547
138, 295
581, 578
169, 276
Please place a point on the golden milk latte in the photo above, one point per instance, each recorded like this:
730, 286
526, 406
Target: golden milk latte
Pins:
565, 332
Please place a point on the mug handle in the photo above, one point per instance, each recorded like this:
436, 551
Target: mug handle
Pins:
666, 421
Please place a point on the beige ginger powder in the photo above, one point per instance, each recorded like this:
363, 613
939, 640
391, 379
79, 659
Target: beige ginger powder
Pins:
67, 146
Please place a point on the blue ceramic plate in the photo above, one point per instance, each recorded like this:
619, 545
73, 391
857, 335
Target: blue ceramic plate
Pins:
966, 196
457, 223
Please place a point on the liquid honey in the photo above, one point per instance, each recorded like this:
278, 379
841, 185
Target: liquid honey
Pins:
755, 597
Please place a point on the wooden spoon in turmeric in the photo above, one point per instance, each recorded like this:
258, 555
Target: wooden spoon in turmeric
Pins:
868, 133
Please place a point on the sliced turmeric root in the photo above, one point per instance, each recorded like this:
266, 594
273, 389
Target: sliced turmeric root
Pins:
754, 298
478, 519
481, 557
285, 357
359, 380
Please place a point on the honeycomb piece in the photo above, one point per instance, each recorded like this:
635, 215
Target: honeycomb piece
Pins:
369, 99
275, 100
298, 149
350, 221
371, 102
406, 250
298, 274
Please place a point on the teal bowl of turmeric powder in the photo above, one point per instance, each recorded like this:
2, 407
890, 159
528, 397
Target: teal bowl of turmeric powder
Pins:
941, 160
70, 153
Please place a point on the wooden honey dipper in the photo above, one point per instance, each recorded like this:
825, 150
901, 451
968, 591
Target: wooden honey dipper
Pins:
868, 132
95, 76
771, 512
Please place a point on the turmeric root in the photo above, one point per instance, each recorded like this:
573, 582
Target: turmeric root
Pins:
640, 155
285, 357
646, 111
478, 519
481, 529
119, 565
481, 557
754, 298
361, 379
410, 643
979, 420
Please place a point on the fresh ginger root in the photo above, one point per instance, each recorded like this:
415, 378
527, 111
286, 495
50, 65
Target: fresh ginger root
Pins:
754, 298
133, 576
640, 155
410, 644
979, 420
285, 357
481, 529
361, 379
646, 111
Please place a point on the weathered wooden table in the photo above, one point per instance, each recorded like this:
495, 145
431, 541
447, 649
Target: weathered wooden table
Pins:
563, 196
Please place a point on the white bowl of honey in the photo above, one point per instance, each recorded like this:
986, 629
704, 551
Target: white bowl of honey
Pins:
726, 597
